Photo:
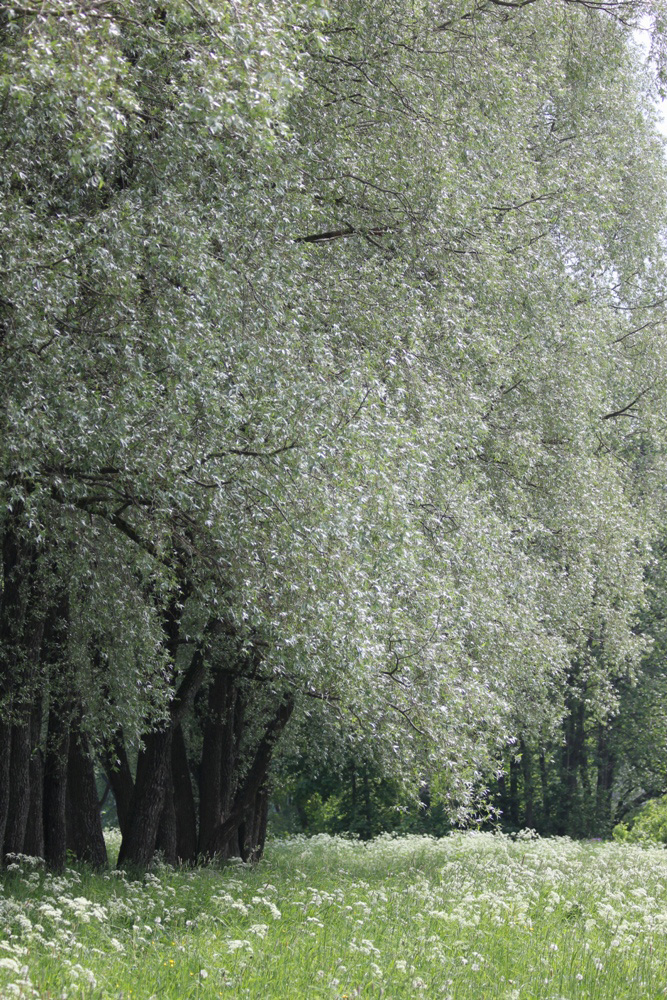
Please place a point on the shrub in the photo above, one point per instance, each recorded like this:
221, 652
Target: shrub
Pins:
648, 824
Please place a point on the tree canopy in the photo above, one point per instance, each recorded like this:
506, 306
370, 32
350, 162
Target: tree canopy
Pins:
333, 359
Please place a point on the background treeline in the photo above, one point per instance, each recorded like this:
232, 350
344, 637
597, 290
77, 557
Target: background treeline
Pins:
583, 777
332, 416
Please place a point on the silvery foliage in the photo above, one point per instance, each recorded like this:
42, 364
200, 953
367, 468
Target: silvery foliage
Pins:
356, 311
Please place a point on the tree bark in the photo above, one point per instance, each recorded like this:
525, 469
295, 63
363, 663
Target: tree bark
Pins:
154, 767
605, 777
367, 832
21, 625
55, 787
84, 822
119, 775
34, 840
5, 761
252, 831
253, 781
514, 793
19, 790
573, 756
184, 800
218, 755
57, 747
546, 800
528, 792
166, 841
138, 844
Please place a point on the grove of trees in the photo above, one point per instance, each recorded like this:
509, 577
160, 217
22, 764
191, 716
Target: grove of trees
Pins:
332, 404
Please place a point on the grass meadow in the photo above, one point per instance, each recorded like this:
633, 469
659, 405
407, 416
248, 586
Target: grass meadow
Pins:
467, 917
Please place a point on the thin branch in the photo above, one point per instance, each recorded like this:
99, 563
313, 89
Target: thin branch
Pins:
407, 718
631, 333
338, 234
624, 409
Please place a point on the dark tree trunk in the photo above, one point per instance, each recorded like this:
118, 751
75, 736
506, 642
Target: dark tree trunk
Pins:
571, 822
605, 777
262, 817
253, 782
546, 800
21, 624
252, 829
367, 832
252, 832
502, 797
218, 760
55, 788
19, 790
217, 731
84, 823
5, 758
184, 800
166, 840
57, 745
119, 775
353, 790
514, 793
153, 768
528, 793
230, 771
34, 840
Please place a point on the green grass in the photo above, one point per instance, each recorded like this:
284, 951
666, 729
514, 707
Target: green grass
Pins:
469, 917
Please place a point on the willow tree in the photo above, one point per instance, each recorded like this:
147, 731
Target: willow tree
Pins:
323, 334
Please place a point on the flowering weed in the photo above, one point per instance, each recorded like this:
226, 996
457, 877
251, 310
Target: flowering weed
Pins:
468, 917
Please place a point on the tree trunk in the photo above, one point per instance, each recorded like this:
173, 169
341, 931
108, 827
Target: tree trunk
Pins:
55, 788
119, 775
605, 777
184, 800
252, 830
253, 782
262, 817
222, 734
166, 841
514, 793
546, 800
251, 843
34, 842
84, 823
154, 767
5, 761
528, 793
19, 790
367, 832
54, 656
574, 757
217, 743
21, 625
138, 844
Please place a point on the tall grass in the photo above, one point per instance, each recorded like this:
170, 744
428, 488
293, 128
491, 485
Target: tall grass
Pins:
470, 916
